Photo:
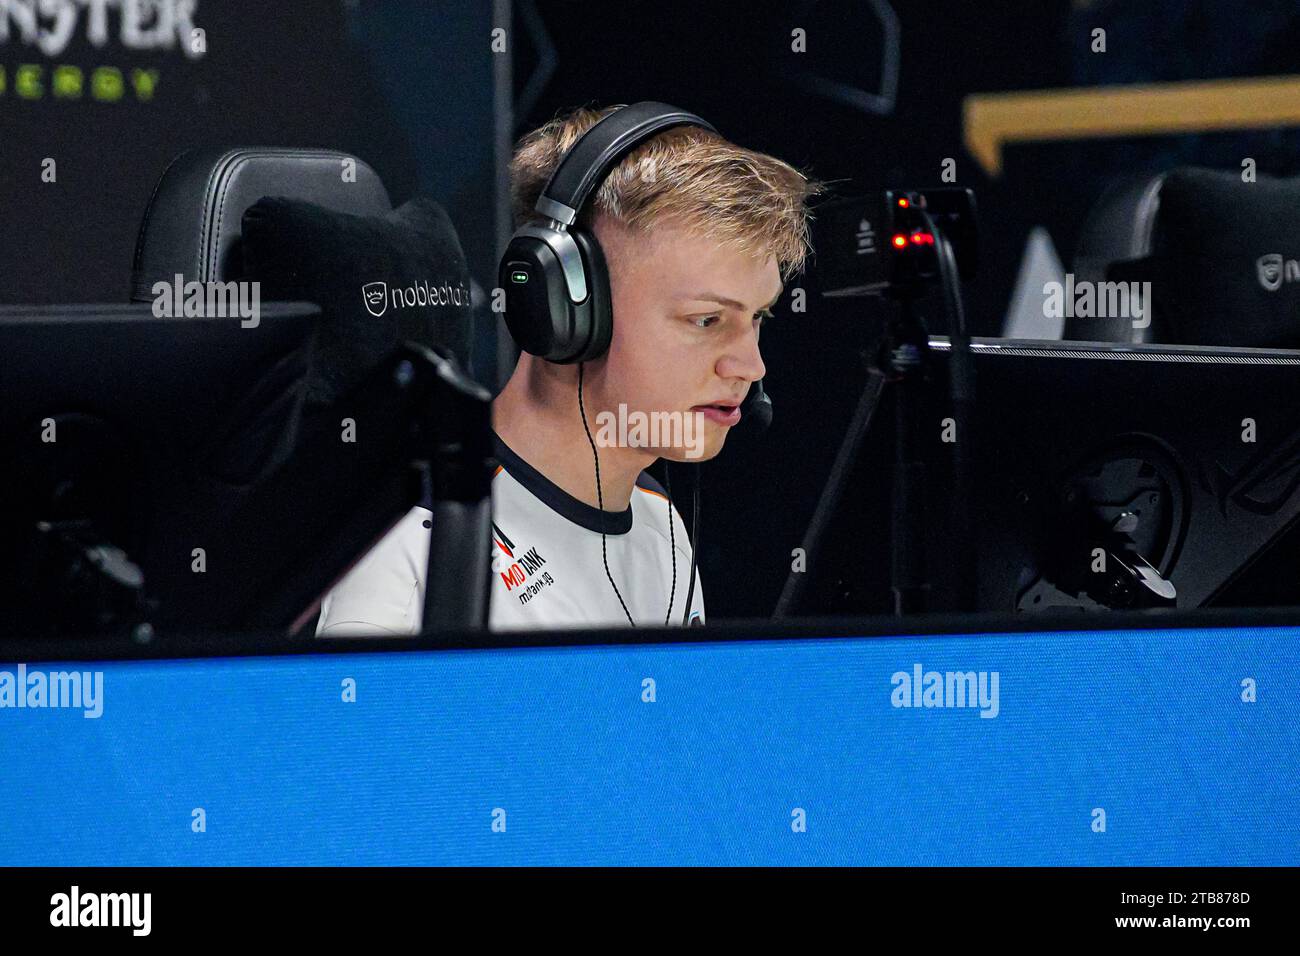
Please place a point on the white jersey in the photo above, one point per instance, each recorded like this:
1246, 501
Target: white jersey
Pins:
547, 568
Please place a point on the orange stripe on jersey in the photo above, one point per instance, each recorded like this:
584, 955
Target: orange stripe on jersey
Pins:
651, 491
500, 468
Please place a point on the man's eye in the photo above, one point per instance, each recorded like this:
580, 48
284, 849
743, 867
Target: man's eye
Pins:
706, 321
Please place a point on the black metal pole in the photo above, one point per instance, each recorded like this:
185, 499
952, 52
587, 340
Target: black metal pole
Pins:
907, 358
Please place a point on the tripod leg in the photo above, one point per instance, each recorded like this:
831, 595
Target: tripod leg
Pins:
845, 459
908, 569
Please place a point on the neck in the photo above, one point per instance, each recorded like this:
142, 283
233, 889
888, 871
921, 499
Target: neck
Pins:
537, 416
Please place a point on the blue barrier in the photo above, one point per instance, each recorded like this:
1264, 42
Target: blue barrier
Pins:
1183, 743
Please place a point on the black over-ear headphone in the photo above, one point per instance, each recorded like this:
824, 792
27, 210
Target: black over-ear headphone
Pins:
556, 281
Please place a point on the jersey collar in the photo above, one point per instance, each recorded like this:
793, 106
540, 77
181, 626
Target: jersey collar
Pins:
556, 498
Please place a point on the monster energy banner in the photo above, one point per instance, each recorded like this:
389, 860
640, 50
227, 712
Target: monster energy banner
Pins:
98, 96
43, 31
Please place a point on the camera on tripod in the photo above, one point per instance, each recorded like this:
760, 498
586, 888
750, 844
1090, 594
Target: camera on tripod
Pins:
885, 243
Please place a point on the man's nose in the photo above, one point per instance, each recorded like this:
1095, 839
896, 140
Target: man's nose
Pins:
743, 360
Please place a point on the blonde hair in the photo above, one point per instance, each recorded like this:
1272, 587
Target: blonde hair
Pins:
686, 176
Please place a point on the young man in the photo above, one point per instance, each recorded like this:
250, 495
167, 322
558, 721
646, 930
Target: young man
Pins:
698, 236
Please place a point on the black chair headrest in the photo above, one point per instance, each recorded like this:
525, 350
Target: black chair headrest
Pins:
1218, 249
192, 225
1119, 228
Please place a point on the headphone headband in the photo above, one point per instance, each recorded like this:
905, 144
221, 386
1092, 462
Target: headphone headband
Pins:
588, 161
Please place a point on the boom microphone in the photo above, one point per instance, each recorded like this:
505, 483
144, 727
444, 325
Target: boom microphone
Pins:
757, 407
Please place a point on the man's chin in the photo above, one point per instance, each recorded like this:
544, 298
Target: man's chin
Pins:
703, 452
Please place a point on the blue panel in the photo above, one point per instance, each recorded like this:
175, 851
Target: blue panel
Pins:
1148, 725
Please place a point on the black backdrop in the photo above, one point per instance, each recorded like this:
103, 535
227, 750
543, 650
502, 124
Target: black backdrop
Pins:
408, 85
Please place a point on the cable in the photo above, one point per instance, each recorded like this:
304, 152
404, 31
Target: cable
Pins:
672, 544
695, 543
962, 395
600, 499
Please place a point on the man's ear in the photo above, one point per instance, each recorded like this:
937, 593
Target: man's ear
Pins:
617, 242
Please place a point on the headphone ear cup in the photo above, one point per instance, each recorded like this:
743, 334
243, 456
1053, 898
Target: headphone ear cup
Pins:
594, 319
539, 314
537, 300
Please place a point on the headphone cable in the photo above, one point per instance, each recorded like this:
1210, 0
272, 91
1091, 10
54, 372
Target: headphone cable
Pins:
672, 543
695, 541
600, 499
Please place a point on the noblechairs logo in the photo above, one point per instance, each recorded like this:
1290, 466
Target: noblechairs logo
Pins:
1273, 270
378, 296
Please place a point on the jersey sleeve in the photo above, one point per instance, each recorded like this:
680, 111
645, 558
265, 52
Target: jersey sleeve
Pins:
383, 593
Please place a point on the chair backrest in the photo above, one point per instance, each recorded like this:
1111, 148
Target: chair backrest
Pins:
1119, 228
193, 222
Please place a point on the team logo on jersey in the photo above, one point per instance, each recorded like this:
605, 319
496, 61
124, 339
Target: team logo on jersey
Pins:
503, 544
519, 568
696, 619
